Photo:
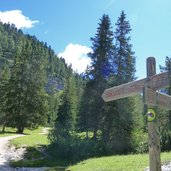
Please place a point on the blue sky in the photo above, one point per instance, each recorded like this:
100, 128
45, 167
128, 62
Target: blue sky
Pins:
67, 25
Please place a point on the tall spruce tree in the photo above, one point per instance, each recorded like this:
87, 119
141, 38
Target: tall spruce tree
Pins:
124, 63
67, 112
124, 59
4, 78
98, 74
25, 101
40, 61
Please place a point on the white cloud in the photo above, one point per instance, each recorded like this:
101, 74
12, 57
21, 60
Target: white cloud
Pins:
17, 18
76, 55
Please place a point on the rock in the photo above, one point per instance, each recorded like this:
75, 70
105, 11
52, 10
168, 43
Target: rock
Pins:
165, 167
11, 153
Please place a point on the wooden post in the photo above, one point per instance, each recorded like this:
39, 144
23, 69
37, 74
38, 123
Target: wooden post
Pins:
153, 134
152, 98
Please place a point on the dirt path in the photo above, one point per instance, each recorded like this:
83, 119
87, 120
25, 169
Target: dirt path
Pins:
45, 131
7, 154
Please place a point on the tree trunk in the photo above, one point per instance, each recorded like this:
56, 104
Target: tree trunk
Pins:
86, 134
20, 129
95, 134
3, 128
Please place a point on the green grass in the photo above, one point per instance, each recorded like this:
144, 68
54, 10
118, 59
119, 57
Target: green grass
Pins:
32, 140
35, 143
117, 163
12, 131
8, 132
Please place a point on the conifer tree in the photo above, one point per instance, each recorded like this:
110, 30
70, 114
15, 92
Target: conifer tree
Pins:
97, 74
164, 114
124, 59
38, 62
124, 71
117, 123
25, 96
4, 79
67, 112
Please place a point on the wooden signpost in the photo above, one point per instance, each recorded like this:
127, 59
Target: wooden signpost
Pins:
152, 99
156, 82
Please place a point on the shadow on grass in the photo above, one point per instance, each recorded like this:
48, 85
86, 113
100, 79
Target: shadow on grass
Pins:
39, 157
57, 169
11, 131
8, 132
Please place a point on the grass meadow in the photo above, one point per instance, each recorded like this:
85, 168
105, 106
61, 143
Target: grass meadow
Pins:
35, 142
137, 162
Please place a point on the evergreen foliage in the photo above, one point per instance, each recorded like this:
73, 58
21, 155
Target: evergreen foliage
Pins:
124, 71
112, 64
38, 88
124, 59
25, 90
165, 115
26, 65
97, 75
4, 78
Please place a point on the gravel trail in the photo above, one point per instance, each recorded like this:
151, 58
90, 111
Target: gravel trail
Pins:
10, 153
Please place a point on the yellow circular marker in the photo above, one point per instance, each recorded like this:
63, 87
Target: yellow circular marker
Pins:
151, 114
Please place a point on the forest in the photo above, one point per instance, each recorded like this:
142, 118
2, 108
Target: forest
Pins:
39, 88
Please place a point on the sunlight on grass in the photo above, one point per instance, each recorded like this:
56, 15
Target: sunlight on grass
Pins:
113, 163
32, 138
8, 132
12, 131
117, 163
35, 142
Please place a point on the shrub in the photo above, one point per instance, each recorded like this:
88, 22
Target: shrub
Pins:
74, 148
140, 141
165, 140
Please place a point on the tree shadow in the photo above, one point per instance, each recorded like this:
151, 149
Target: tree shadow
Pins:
8, 132
39, 157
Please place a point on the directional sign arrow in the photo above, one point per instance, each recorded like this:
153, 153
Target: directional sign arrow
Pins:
124, 90
155, 82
